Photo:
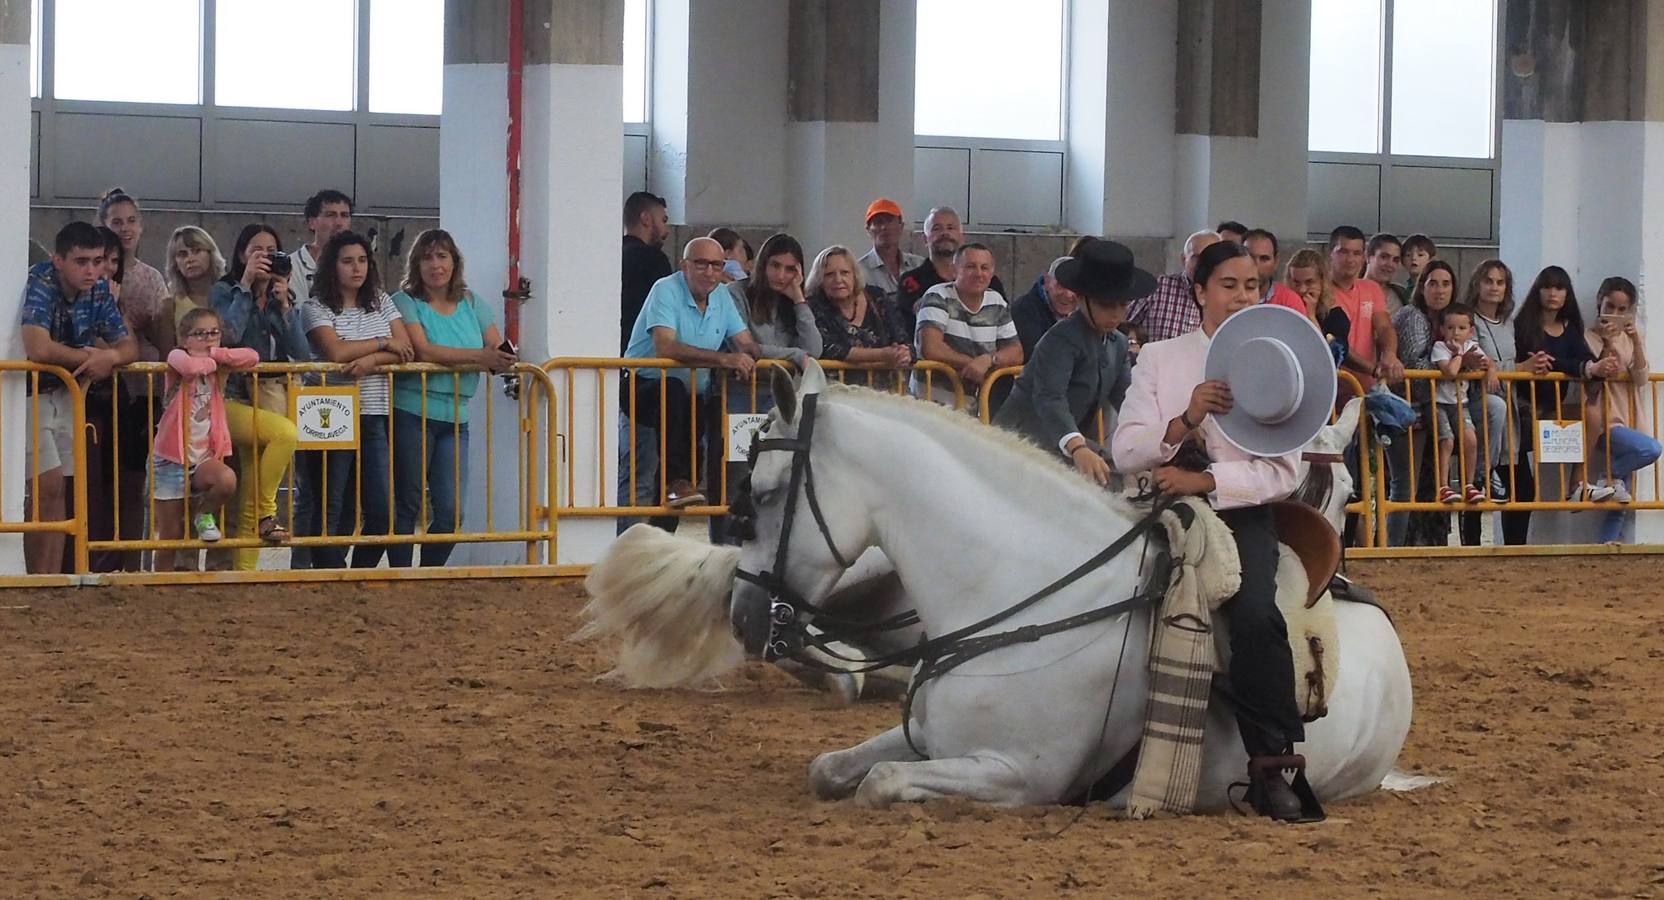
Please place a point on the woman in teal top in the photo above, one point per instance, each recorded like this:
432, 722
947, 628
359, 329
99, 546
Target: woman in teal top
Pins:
448, 326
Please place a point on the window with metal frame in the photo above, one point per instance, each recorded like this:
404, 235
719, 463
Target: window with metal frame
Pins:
300, 55
637, 41
34, 48
407, 56
219, 85
162, 40
989, 125
1404, 123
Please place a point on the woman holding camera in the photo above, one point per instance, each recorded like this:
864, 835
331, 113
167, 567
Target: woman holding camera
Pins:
449, 326
257, 310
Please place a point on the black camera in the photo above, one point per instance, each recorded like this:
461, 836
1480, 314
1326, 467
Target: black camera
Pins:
279, 264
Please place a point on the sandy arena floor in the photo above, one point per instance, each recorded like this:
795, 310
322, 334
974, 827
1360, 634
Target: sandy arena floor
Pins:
443, 740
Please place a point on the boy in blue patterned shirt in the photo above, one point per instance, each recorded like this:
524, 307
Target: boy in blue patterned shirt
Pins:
70, 320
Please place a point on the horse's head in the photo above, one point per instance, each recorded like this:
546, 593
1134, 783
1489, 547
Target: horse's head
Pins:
1326, 484
797, 513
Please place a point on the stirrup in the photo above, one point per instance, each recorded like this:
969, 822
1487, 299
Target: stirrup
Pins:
1263, 767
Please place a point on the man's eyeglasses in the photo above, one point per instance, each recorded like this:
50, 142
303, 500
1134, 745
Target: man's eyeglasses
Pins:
709, 265
204, 334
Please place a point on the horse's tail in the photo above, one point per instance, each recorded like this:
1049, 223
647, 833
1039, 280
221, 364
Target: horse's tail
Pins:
665, 599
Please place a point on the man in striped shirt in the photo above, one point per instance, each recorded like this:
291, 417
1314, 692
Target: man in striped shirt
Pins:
966, 324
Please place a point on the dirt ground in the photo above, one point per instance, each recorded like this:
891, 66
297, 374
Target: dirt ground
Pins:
442, 739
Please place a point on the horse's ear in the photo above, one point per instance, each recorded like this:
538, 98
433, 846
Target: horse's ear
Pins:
814, 378
1347, 424
785, 394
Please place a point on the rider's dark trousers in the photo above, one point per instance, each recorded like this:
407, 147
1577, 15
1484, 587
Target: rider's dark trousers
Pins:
1262, 669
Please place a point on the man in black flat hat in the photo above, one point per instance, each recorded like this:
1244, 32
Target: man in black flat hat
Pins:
1082, 365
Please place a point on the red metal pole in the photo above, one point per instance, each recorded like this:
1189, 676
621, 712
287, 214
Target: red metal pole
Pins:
516, 292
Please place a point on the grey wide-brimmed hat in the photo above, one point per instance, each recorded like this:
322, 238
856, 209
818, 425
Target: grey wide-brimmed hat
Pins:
1104, 271
1282, 379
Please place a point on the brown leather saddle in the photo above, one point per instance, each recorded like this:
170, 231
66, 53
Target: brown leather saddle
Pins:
1313, 540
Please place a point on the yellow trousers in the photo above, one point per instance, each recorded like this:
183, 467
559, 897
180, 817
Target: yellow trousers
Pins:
265, 441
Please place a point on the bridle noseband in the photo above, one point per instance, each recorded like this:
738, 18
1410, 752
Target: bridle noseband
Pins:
786, 606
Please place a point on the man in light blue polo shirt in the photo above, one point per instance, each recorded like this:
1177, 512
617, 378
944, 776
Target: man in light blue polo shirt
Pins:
688, 317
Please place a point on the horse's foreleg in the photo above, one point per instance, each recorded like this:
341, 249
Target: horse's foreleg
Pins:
833, 776
989, 779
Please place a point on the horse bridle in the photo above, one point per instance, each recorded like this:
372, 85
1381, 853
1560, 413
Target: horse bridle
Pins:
786, 606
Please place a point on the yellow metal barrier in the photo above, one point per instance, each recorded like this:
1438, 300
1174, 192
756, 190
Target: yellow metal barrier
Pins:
587, 492
1526, 399
268, 386
547, 485
34, 526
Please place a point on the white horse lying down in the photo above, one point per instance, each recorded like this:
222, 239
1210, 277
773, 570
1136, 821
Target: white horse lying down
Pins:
974, 521
664, 599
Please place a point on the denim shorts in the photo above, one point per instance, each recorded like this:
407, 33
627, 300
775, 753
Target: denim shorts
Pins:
170, 481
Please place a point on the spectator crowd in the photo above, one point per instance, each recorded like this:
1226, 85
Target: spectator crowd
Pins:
1462, 434
208, 451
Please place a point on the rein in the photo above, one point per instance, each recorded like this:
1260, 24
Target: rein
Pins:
790, 615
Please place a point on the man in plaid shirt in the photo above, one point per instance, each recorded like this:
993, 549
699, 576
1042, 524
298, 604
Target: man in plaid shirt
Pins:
70, 320
1172, 310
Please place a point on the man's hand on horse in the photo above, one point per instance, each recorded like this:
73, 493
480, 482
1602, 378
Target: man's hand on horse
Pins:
1174, 480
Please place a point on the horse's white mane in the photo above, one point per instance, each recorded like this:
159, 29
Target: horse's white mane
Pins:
959, 428
664, 599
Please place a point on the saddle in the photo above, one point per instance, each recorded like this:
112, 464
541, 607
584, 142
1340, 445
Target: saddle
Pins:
1313, 540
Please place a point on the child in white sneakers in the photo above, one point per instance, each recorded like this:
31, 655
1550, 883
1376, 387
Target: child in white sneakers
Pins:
1454, 351
192, 440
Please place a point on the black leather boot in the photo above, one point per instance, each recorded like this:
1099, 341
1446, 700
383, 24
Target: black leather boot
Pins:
1270, 795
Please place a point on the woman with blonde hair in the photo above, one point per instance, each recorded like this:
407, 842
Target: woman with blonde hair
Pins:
856, 325
194, 264
1307, 275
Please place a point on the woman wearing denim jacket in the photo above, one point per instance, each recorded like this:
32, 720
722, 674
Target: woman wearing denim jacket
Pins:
258, 311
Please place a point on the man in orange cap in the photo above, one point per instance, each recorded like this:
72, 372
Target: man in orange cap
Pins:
883, 265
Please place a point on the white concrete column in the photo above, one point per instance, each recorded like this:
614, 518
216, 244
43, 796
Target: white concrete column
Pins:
1252, 169
1164, 135
571, 183
1120, 124
14, 241
1589, 197
718, 152
851, 131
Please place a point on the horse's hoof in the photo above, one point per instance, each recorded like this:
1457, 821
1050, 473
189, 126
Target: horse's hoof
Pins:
874, 792
845, 688
825, 782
